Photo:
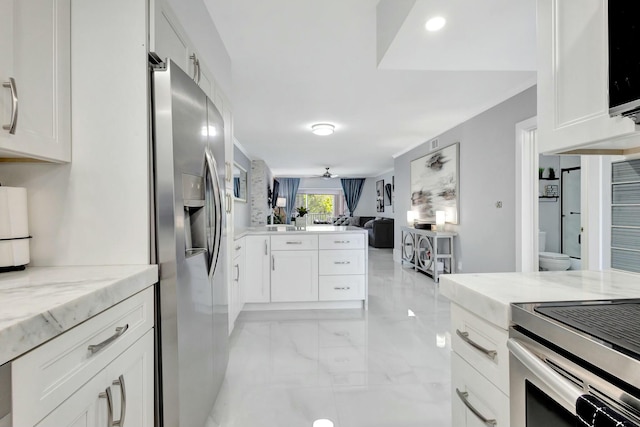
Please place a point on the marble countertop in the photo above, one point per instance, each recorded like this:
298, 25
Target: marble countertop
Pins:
489, 295
291, 229
41, 302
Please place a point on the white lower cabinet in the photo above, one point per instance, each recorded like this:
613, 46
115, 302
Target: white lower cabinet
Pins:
475, 400
258, 269
294, 276
479, 370
100, 370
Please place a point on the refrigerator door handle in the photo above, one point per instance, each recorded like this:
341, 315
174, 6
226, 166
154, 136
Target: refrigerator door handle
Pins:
211, 182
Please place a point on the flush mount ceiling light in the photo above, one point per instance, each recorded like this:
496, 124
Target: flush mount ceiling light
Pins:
435, 24
323, 129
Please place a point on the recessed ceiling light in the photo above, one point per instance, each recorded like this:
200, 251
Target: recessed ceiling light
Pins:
323, 423
436, 23
323, 129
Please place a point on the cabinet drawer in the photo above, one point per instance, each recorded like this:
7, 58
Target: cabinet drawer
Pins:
349, 261
341, 241
341, 288
52, 372
479, 393
475, 330
294, 242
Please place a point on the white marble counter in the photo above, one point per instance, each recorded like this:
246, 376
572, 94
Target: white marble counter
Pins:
292, 229
41, 302
489, 295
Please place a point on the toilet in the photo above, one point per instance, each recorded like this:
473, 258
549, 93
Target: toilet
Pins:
551, 261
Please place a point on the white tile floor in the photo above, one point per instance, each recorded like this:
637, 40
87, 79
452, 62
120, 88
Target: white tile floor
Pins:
380, 368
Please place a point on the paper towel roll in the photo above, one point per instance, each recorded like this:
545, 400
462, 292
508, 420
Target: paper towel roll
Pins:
14, 220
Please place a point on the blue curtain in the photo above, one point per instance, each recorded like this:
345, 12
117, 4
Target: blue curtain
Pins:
352, 188
288, 190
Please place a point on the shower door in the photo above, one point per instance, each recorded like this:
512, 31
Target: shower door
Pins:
570, 215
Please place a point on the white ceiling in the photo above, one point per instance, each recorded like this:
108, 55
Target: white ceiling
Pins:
299, 62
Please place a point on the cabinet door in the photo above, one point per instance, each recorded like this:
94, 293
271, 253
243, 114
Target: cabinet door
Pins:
167, 38
42, 75
294, 276
257, 284
84, 408
130, 379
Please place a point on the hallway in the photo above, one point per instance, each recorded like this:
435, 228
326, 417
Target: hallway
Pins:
388, 367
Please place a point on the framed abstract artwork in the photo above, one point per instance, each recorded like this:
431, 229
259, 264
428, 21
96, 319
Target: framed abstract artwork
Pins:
380, 195
435, 184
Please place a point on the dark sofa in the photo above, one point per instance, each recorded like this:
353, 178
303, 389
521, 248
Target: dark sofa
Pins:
380, 230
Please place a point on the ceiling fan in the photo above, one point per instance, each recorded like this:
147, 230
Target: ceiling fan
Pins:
328, 175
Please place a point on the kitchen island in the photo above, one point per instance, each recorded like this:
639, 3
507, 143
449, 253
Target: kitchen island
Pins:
288, 267
480, 319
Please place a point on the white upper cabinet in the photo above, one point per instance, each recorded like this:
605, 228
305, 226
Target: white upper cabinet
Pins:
169, 40
35, 72
573, 80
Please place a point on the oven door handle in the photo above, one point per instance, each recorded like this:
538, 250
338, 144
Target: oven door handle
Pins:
563, 388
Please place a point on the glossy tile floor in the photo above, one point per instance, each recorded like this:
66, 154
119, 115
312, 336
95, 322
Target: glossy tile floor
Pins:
388, 367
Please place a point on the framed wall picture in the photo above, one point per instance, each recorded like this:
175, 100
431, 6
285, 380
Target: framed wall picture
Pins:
435, 184
387, 194
380, 195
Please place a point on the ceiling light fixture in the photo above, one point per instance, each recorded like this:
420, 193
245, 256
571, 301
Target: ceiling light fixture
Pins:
435, 24
323, 129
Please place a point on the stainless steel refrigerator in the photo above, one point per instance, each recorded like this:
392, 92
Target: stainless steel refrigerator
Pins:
189, 235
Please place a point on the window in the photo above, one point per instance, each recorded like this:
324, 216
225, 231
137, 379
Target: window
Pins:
322, 204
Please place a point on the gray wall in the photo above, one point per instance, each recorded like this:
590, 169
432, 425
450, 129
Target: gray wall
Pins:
486, 234
367, 204
242, 210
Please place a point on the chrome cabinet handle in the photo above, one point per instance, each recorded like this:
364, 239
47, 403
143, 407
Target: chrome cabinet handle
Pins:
273, 263
343, 288
294, 243
123, 401
237, 279
194, 59
199, 69
265, 248
465, 337
11, 127
463, 395
94, 348
107, 395
342, 262
341, 241
238, 248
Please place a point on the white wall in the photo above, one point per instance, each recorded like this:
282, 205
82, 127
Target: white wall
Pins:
486, 239
367, 204
95, 210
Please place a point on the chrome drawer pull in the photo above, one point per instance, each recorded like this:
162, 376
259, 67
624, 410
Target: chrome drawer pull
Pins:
344, 288
341, 241
238, 248
465, 337
11, 85
94, 348
342, 262
107, 395
294, 243
463, 396
123, 401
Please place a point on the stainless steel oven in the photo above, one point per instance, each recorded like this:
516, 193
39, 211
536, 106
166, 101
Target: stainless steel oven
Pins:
564, 371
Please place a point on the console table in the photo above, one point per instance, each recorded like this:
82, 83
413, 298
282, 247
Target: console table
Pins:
428, 251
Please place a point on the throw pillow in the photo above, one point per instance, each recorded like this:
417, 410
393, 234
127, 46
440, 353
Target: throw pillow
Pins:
369, 224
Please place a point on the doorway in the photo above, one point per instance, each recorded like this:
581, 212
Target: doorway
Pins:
570, 225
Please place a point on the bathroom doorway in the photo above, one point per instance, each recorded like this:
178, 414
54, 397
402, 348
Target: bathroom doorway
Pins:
570, 225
